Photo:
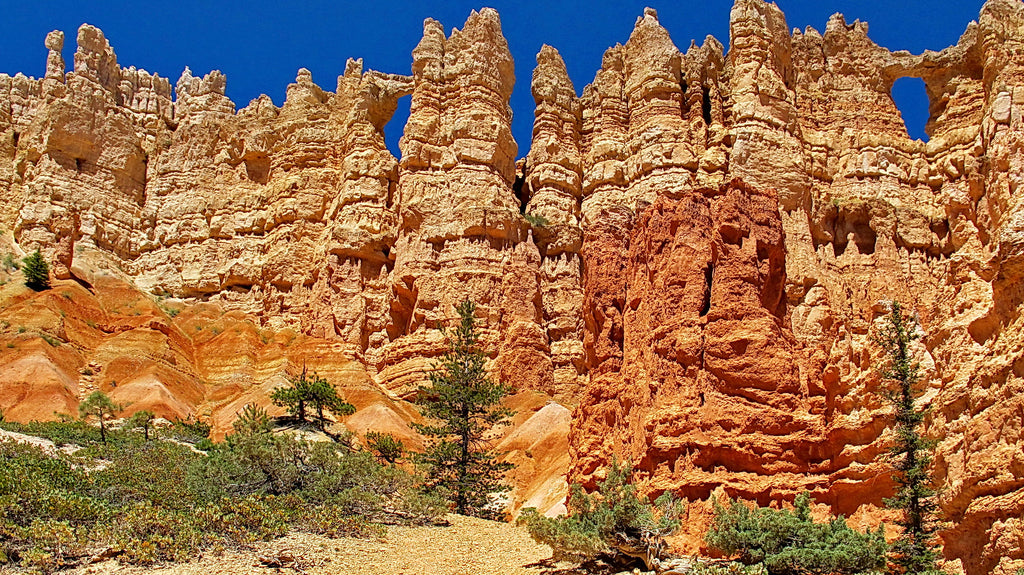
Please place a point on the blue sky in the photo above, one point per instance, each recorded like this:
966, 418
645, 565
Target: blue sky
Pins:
259, 45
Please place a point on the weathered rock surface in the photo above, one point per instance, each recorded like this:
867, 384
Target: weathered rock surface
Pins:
690, 257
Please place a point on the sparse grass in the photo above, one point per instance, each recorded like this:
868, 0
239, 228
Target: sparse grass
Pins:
54, 342
68, 296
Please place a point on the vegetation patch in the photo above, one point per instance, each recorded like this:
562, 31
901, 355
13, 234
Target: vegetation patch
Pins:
148, 501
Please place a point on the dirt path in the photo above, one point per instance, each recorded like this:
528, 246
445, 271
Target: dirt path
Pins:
468, 547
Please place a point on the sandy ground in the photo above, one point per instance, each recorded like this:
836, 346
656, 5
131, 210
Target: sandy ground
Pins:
469, 546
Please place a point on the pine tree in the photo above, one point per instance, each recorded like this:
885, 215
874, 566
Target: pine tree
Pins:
140, 420
100, 406
314, 392
463, 404
916, 549
36, 271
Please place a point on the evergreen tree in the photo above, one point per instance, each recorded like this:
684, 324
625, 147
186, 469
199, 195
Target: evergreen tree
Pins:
141, 420
322, 395
36, 271
916, 550
462, 404
314, 392
100, 406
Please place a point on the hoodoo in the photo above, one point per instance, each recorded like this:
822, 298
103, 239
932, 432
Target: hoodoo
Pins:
683, 271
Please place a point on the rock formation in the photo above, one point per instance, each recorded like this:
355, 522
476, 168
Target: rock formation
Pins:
691, 257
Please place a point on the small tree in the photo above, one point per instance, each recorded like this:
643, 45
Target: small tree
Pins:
614, 520
463, 404
323, 395
141, 420
385, 447
253, 420
100, 406
916, 549
314, 392
36, 271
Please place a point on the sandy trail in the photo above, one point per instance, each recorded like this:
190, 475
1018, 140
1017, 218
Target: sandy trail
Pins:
469, 546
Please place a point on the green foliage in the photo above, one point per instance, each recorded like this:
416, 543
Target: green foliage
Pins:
99, 405
10, 263
613, 520
190, 430
36, 271
916, 550
385, 447
311, 392
140, 420
790, 543
462, 404
536, 221
49, 339
252, 420
70, 432
159, 500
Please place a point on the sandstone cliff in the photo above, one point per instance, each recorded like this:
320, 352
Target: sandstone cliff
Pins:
690, 256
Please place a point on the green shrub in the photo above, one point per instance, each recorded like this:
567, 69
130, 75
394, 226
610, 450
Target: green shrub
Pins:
52, 341
10, 263
162, 501
252, 420
36, 271
614, 520
385, 447
72, 432
789, 542
189, 430
536, 221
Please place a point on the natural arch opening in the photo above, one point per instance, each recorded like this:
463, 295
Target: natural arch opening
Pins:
395, 127
911, 100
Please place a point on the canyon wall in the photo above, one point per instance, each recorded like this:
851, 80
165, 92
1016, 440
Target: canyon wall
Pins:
692, 256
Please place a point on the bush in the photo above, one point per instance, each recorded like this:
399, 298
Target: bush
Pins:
252, 420
159, 500
140, 420
189, 430
10, 263
614, 520
36, 271
536, 221
71, 432
385, 447
789, 542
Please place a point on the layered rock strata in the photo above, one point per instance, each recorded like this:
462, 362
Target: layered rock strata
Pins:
691, 255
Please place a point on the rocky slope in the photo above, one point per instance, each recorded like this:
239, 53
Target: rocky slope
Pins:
706, 240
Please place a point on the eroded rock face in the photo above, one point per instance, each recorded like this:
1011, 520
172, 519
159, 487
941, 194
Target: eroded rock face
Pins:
768, 384
690, 256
